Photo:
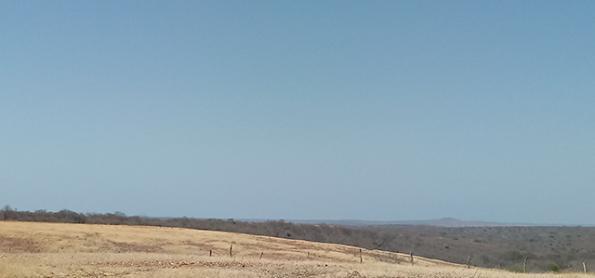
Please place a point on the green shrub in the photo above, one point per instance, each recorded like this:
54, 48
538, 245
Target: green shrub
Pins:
554, 267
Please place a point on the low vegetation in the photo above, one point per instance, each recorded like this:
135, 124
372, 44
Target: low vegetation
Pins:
530, 249
31, 249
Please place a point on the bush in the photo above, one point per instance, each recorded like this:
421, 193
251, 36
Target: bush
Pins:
554, 267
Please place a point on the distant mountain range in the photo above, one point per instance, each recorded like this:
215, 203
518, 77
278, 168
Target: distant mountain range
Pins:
441, 222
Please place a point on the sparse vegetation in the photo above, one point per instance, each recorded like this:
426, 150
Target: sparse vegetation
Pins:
81, 250
493, 247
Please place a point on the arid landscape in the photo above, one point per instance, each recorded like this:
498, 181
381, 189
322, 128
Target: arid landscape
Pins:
30, 249
282, 139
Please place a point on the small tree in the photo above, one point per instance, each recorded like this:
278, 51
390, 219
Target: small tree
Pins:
7, 213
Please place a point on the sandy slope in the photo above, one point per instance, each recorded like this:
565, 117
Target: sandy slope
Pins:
79, 250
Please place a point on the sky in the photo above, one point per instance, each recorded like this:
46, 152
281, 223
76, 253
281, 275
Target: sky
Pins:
372, 110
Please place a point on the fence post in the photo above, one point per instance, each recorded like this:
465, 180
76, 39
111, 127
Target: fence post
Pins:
211, 253
231, 250
261, 253
411, 257
584, 267
361, 259
525, 265
468, 262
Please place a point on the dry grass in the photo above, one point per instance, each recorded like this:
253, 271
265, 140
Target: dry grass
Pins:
78, 250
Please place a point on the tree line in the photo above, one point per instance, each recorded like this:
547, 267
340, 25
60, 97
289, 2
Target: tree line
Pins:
545, 248
276, 228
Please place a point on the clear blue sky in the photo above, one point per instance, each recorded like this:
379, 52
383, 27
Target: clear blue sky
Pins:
376, 110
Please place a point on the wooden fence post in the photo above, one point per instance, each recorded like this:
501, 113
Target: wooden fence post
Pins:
468, 262
361, 259
584, 267
411, 257
525, 265
261, 253
211, 253
231, 250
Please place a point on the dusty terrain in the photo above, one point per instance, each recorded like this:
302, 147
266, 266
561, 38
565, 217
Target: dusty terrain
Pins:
79, 250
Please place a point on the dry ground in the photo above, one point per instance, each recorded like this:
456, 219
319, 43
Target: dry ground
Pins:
79, 250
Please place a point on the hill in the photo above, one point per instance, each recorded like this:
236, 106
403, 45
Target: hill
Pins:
544, 248
29, 249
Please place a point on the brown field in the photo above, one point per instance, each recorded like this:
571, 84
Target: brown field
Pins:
78, 250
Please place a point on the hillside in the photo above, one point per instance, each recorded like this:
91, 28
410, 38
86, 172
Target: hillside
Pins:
30, 249
546, 248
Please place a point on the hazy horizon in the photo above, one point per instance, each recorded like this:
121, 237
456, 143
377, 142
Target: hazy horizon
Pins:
371, 110
445, 221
